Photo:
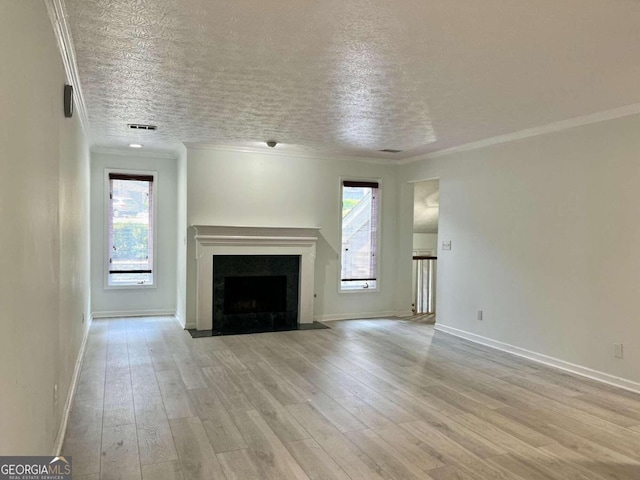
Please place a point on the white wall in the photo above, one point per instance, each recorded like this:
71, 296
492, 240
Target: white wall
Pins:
233, 188
182, 230
545, 237
44, 189
157, 300
425, 241
74, 277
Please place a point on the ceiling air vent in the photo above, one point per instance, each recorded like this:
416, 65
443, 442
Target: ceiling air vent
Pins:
390, 150
140, 126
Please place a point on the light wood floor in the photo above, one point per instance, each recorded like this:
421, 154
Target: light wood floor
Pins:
368, 399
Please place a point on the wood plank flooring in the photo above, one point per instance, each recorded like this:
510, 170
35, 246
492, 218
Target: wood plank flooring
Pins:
367, 399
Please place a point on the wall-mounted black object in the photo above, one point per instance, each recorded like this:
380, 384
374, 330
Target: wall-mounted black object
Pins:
68, 101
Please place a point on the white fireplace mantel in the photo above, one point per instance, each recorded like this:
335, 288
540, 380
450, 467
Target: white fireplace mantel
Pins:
227, 240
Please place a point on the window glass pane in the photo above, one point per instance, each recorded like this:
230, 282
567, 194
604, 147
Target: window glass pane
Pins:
359, 237
130, 232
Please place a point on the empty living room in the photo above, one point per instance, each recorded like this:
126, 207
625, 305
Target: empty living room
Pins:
319, 240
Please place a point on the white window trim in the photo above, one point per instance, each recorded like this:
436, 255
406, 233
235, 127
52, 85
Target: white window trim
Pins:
105, 229
378, 233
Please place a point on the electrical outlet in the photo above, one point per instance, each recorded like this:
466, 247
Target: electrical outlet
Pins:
479, 314
82, 317
446, 245
55, 395
617, 350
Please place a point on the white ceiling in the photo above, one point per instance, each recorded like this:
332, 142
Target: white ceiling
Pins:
349, 76
426, 206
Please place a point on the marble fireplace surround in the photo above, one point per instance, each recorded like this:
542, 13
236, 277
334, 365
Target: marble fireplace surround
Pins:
225, 240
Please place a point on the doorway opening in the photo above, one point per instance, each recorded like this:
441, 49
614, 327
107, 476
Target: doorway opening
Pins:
426, 210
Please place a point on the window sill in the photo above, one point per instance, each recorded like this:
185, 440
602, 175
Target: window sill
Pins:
359, 290
130, 287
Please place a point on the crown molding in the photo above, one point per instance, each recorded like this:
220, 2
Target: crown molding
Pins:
62, 32
289, 153
130, 152
603, 116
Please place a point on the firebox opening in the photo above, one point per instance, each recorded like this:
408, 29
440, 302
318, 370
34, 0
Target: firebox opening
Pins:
255, 294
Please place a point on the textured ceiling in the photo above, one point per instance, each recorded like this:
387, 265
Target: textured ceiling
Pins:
349, 76
426, 206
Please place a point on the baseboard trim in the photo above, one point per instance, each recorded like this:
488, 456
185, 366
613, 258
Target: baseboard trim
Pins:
182, 324
62, 431
543, 359
134, 313
179, 319
190, 326
360, 316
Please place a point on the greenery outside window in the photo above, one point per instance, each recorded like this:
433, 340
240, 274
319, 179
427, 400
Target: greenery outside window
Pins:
131, 233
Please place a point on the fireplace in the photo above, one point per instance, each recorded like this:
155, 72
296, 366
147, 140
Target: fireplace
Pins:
215, 242
255, 293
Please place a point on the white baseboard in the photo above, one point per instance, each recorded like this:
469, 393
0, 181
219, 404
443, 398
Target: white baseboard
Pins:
360, 315
543, 359
182, 323
134, 313
57, 446
190, 326
178, 318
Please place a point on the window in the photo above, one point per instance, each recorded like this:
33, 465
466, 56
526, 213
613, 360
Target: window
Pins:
130, 230
359, 235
